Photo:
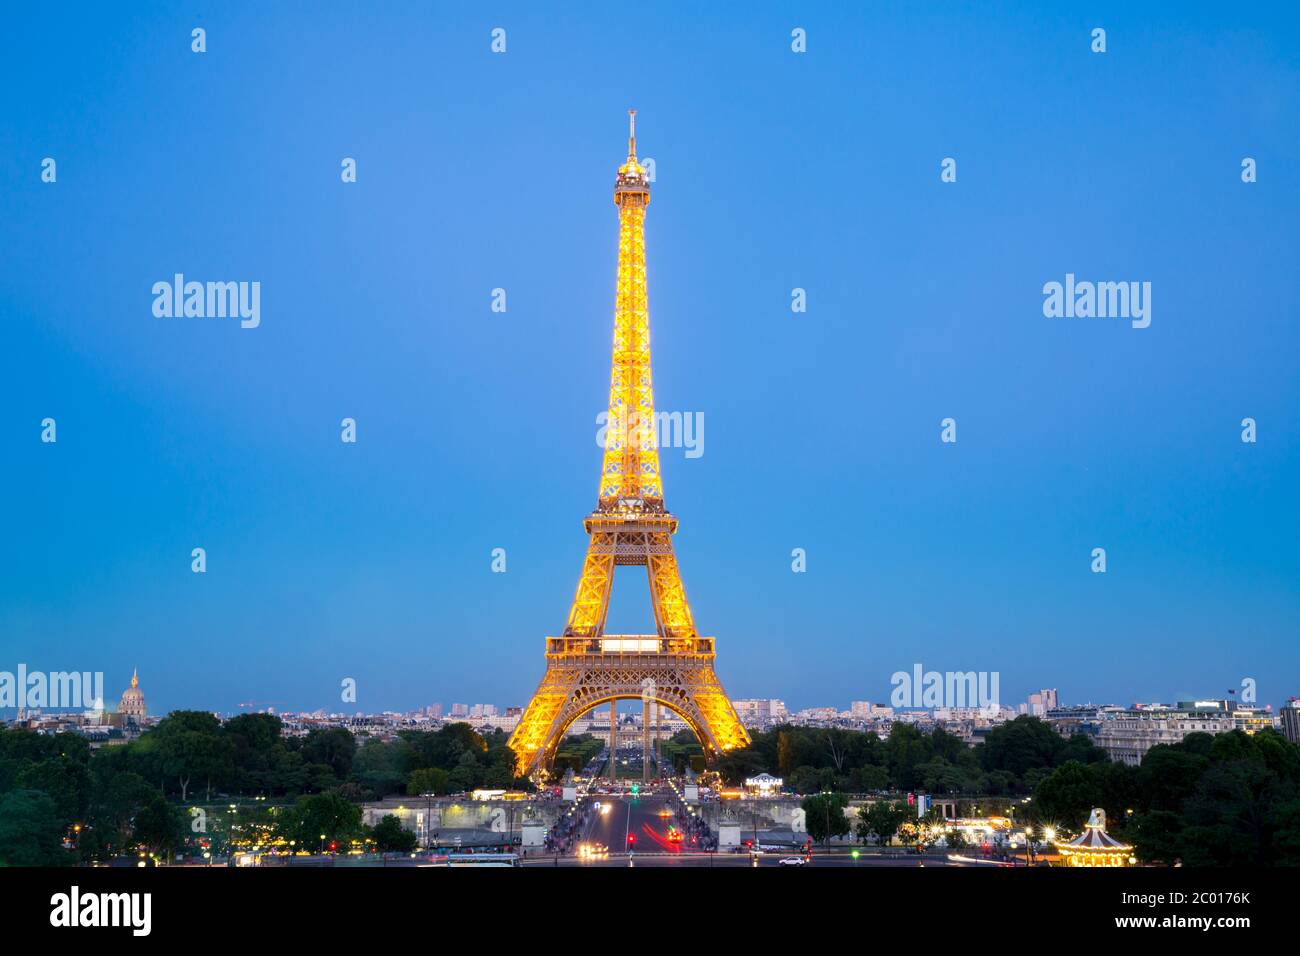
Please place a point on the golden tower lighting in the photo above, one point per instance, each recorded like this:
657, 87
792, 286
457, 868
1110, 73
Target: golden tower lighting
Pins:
587, 667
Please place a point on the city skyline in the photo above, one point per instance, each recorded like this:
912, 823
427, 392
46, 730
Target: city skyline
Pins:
373, 562
449, 707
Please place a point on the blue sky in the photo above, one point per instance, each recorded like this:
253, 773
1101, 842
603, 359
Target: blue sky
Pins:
476, 430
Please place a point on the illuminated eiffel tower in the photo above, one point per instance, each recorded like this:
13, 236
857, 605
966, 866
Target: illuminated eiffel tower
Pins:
586, 667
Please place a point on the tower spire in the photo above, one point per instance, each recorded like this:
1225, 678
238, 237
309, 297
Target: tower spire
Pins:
630, 471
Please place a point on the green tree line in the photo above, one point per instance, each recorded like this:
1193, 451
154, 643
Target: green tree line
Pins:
119, 799
1013, 759
1211, 800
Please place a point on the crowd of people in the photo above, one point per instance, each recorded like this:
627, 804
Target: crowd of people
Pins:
563, 836
697, 834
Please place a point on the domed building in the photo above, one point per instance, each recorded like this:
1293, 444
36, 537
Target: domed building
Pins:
132, 705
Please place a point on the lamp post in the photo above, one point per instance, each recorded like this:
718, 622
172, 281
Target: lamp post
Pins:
230, 836
428, 818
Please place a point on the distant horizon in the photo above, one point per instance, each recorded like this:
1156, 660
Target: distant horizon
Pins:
7, 713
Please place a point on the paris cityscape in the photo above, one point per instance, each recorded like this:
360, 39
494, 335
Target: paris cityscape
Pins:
950, 775
365, 404
959, 786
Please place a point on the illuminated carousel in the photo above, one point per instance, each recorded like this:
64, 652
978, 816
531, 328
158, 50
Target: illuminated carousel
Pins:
1094, 846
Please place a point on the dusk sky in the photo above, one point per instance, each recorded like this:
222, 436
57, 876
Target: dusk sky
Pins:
476, 430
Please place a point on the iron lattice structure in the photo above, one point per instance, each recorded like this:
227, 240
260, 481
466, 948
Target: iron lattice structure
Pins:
587, 667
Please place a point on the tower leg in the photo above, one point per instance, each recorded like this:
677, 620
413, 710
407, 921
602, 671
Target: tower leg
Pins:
659, 740
613, 742
645, 741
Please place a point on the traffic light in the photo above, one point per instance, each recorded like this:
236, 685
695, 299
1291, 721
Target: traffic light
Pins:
631, 840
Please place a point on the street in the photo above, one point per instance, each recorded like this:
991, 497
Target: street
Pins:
650, 820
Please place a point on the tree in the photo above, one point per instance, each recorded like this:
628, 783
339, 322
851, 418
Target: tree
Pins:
31, 830
940, 776
1067, 795
333, 747
577, 750
390, 836
445, 747
1157, 837
323, 813
115, 810
837, 748
1286, 840
160, 826
254, 733
466, 774
1119, 789
824, 815
1169, 775
792, 751
257, 748
383, 766
881, 820
64, 780
1229, 820
1021, 745
868, 778
905, 750
1081, 748
734, 766
428, 780
187, 745
811, 779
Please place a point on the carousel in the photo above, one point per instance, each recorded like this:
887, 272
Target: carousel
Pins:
1094, 846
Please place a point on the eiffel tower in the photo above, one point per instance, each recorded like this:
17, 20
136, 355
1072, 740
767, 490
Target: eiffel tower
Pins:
586, 667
